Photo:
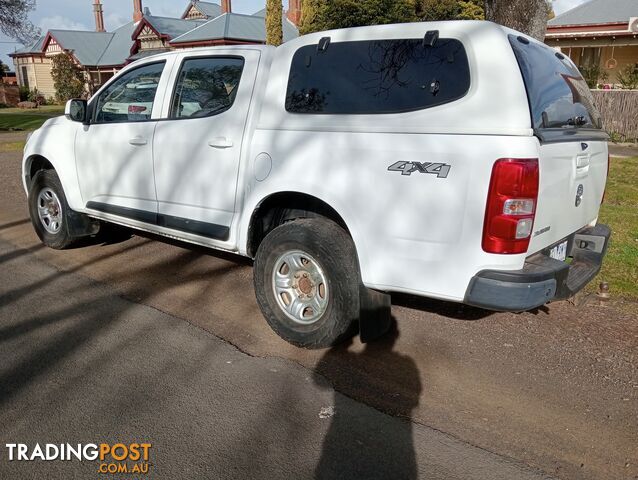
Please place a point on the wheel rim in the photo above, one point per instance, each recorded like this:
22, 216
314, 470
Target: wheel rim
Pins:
300, 287
50, 210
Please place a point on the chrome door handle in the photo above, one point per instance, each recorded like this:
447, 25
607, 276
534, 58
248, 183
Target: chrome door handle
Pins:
138, 141
220, 142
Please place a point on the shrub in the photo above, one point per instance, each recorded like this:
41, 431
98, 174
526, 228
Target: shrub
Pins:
593, 75
628, 77
36, 97
24, 94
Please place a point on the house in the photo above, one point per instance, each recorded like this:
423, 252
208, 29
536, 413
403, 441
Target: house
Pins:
600, 36
101, 54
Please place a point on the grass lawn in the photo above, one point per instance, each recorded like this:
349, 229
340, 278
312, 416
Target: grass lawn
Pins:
620, 212
11, 146
18, 119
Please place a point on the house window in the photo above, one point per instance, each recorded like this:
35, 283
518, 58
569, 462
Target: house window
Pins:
25, 78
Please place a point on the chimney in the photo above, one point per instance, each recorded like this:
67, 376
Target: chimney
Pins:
226, 6
294, 11
137, 10
99, 16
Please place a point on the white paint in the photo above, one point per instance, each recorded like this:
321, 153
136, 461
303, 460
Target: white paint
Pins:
417, 234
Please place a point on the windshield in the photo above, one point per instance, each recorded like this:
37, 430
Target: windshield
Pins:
558, 95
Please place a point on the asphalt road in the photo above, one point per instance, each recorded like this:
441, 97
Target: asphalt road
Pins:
124, 339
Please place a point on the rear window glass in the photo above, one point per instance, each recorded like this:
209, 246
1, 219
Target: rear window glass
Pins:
375, 77
558, 95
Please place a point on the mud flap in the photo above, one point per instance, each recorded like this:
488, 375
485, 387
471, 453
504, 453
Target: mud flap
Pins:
81, 225
376, 314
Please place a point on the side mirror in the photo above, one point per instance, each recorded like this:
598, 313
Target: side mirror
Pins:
75, 110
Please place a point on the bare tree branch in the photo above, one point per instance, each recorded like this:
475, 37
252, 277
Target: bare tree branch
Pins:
14, 21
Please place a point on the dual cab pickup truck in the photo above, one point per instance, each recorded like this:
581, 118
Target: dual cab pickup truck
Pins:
456, 160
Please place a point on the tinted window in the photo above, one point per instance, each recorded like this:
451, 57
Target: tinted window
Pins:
130, 98
382, 76
558, 95
206, 86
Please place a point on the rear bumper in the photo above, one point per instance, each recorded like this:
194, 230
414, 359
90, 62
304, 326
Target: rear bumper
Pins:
542, 279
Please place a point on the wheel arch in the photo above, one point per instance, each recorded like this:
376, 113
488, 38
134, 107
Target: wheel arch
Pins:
33, 164
280, 207
66, 173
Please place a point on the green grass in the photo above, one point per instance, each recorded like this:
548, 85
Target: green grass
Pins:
11, 146
620, 212
18, 119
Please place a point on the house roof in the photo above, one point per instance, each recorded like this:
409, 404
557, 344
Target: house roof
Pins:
235, 26
119, 48
86, 46
35, 47
597, 12
208, 9
173, 27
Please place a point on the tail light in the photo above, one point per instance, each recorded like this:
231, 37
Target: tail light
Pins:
511, 206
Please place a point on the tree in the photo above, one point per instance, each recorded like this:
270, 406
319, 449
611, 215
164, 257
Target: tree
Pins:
14, 22
4, 69
68, 79
274, 28
527, 16
471, 10
310, 10
434, 10
320, 15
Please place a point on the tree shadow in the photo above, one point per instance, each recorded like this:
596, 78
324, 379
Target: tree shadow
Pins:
17, 223
361, 442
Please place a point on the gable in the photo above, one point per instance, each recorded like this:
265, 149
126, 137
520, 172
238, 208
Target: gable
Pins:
193, 14
53, 47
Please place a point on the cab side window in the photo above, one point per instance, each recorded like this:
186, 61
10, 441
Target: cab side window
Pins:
130, 98
206, 86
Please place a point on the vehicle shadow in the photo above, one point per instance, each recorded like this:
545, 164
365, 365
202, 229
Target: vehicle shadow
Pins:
361, 442
456, 311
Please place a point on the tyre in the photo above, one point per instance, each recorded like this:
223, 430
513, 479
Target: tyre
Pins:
307, 282
49, 211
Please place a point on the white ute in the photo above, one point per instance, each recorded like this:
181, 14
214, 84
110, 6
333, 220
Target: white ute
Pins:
456, 160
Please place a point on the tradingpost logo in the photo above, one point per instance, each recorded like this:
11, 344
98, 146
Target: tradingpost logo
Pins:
114, 458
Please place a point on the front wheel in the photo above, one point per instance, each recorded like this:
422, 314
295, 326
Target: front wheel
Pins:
307, 282
49, 211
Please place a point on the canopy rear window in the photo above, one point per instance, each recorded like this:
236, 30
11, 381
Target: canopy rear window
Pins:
558, 95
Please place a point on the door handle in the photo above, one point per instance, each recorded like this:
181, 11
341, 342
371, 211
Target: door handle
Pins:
582, 161
221, 142
138, 141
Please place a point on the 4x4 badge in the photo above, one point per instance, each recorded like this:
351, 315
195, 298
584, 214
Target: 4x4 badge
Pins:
441, 170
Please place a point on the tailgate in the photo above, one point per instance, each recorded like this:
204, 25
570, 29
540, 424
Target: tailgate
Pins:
572, 144
572, 183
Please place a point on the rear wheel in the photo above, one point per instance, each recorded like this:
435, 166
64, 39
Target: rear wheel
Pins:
307, 282
49, 211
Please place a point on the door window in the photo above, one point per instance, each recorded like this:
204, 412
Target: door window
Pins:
206, 86
130, 98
